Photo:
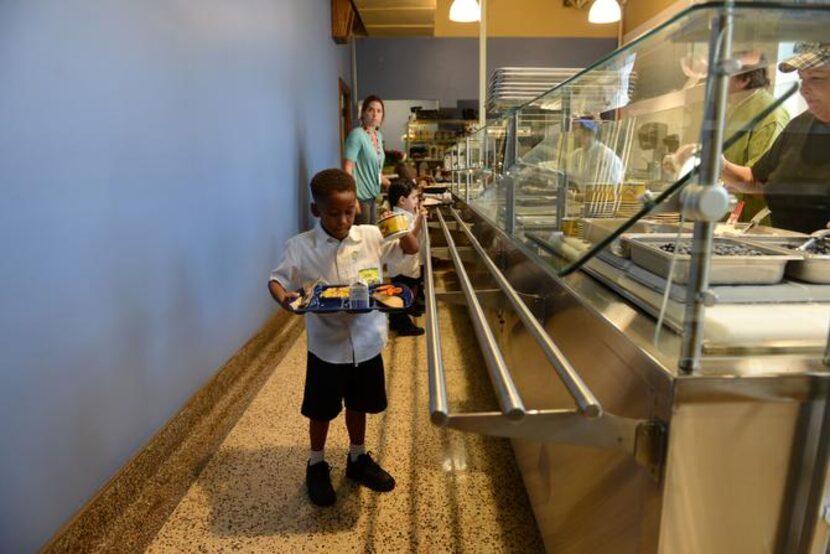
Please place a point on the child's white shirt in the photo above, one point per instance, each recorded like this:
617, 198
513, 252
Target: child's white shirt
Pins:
338, 338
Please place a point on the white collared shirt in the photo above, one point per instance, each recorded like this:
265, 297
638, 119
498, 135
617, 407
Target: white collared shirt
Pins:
401, 263
338, 338
596, 164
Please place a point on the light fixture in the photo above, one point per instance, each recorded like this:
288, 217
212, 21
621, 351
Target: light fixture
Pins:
465, 11
604, 11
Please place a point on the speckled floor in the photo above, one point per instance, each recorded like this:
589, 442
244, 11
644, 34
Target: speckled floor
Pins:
455, 492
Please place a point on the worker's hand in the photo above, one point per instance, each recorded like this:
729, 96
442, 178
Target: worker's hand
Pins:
673, 162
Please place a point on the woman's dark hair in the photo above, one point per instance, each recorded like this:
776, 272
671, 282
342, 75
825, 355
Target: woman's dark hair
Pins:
400, 188
367, 101
756, 78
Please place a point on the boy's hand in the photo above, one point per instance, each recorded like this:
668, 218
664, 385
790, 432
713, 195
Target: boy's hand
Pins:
287, 299
283, 297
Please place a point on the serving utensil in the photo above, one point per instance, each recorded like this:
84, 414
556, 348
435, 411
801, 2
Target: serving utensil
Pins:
818, 235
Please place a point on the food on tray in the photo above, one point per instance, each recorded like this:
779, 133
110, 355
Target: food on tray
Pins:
355, 298
335, 292
718, 249
388, 300
301, 302
389, 289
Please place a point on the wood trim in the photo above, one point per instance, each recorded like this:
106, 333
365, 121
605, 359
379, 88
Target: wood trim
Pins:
345, 21
129, 510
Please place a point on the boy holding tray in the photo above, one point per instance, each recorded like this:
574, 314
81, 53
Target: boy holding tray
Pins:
344, 350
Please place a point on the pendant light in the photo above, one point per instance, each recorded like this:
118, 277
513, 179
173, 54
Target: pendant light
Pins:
465, 11
604, 11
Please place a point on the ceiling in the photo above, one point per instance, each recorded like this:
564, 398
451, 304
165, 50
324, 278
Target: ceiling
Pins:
385, 18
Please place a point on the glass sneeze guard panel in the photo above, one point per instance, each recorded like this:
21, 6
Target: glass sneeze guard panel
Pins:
609, 152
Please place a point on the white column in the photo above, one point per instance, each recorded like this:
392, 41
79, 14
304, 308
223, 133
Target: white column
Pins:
482, 66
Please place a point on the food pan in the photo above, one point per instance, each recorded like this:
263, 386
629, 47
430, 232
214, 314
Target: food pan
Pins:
766, 268
809, 267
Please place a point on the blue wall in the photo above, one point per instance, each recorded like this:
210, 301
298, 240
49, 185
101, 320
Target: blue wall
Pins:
154, 156
446, 69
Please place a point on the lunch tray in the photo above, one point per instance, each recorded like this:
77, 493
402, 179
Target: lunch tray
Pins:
319, 305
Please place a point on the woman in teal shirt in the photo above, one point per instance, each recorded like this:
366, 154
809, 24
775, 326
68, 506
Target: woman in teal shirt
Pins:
364, 158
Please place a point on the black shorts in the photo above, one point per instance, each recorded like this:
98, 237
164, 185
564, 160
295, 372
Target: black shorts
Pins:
410, 282
327, 386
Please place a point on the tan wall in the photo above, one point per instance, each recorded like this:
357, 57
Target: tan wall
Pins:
525, 18
641, 15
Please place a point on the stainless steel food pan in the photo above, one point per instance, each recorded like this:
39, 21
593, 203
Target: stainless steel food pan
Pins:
766, 269
811, 268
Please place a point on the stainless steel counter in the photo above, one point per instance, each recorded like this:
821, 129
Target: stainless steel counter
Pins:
732, 459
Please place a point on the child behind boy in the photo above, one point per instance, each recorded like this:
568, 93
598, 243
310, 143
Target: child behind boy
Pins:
405, 268
344, 350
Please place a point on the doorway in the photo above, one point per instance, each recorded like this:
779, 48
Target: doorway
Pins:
345, 99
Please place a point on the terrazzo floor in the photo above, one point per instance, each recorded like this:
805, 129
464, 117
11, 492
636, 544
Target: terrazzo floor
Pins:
456, 492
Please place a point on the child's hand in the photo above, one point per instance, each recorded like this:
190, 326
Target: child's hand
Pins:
423, 212
288, 298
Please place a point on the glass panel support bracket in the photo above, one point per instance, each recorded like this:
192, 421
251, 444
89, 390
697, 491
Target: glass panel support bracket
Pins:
701, 203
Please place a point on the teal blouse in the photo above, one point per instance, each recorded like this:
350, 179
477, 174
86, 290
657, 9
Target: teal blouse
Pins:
367, 164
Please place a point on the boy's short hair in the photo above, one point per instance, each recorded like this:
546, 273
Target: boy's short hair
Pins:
331, 180
401, 188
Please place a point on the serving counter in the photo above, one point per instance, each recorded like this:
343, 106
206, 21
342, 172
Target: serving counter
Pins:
662, 374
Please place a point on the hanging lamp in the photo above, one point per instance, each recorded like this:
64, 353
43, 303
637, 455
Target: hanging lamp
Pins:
465, 11
604, 11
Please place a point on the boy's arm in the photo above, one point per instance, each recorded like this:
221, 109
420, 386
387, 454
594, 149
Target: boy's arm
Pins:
283, 297
409, 243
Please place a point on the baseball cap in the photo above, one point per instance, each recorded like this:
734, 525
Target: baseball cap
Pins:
808, 55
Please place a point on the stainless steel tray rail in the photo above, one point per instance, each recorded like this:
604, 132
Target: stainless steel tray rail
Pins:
589, 425
579, 391
508, 396
438, 404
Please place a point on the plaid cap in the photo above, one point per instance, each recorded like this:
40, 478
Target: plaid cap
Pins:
808, 56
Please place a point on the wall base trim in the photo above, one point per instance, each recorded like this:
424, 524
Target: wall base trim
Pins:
127, 513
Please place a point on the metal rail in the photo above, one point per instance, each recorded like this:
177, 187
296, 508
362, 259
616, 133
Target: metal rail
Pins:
506, 392
579, 391
644, 440
438, 404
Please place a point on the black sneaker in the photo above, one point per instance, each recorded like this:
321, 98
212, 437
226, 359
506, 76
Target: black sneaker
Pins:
318, 481
411, 330
369, 474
